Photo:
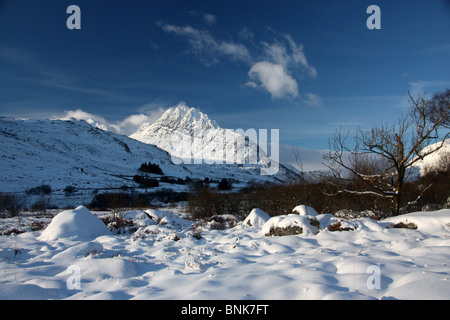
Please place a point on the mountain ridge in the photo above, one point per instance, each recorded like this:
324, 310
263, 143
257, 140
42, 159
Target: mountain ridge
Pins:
73, 152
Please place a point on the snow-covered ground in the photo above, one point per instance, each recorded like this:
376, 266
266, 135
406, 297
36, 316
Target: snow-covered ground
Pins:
171, 257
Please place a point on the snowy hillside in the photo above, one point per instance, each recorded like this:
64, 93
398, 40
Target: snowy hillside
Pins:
74, 153
434, 160
171, 257
61, 153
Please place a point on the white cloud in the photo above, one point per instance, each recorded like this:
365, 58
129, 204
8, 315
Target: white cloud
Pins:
276, 53
246, 34
274, 79
126, 126
252, 84
299, 57
203, 44
209, 18
235, 51
289, 54
313, 100
281, 59
273, 69
46, 75
132, 123
79, 114
419, 88
309, 160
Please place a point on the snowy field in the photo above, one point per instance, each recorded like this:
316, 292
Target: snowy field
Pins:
171, 257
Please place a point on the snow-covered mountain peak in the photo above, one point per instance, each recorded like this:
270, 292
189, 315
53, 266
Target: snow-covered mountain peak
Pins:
179, 123
95, 124
191, 137
185, 119
183, 129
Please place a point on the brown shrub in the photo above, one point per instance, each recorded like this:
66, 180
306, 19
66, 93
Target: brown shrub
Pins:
337, 226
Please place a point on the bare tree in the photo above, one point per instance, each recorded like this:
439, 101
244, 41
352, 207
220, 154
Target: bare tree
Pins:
11, 205
380, 158
438, 106
117, 203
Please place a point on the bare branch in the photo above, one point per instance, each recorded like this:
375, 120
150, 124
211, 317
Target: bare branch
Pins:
380, 157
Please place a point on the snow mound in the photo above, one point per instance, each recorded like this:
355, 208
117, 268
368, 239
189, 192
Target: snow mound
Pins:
426, 221
305, 210
290, 221
106, 268
433, 160
84, 249
257, 218
165, 262
78, 223
19, 291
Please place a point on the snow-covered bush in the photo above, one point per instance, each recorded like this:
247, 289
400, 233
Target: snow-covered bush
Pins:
305, 210
221, 222
340, 225
447, 203
291, 224
257, 218
350, 214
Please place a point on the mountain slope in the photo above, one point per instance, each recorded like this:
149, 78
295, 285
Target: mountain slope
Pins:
435, 160
191, 137
62, 153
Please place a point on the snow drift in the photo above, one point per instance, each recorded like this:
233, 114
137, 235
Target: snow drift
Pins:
164, 260
78, 223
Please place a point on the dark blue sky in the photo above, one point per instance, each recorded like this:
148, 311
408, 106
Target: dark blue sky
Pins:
304, 67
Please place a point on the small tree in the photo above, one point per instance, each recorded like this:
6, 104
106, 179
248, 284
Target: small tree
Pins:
11, 205
381, 157
70, 191
224, 185
117, 202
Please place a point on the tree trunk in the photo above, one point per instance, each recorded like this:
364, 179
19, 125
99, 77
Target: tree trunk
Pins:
396, 205
401, 170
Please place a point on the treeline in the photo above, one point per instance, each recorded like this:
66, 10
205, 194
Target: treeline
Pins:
281, 199
123, 199
150, 168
